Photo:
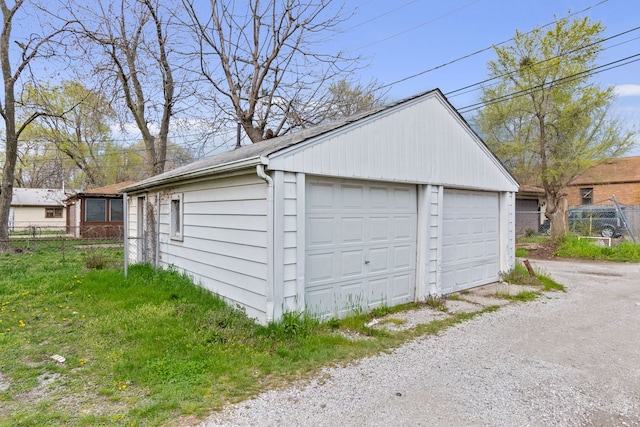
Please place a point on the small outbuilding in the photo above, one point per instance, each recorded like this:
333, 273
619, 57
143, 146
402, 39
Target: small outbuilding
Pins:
530, 210
96, 213
37, 208
383, 208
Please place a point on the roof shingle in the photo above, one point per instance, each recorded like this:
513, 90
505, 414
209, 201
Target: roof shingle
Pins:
620, 170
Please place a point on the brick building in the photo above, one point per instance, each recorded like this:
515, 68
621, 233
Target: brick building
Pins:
619, 177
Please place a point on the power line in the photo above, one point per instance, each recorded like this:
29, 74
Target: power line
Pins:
389, 12
484, 49
477, 85
419, 25
558, 82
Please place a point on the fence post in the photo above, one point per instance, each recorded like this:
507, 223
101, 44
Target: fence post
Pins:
624, 219
125, 214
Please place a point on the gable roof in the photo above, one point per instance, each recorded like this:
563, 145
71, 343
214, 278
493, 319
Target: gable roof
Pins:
265, 151
37, 197
530, 190
619, 170
107, 190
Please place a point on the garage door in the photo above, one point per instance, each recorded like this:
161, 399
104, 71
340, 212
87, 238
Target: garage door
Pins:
360, 245
470, 255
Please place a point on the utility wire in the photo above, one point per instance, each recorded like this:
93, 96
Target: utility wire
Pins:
389, 12
485, 49
408, 30
565, 54
558, 82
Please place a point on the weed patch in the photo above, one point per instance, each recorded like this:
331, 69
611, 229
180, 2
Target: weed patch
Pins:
519, 275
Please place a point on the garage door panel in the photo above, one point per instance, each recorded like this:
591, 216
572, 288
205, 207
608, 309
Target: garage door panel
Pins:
351, 297
401, 284
470, 239
403, 228
479, 250
379, 260
379, 197
320, 267
320, 232
351, 263
319, 300
373, 242
379, 229
404, 199
320, 196
403, 257
378, 291
352, 196
352, 230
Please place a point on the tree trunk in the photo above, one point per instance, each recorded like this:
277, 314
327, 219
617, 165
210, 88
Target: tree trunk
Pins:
557, 214
8, 176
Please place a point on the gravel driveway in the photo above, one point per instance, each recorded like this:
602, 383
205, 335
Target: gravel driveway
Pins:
569, 359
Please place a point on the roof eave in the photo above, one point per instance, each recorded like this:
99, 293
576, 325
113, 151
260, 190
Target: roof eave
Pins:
213, 170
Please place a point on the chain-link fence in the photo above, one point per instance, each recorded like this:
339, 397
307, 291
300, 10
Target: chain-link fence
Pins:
606, 219
101, 247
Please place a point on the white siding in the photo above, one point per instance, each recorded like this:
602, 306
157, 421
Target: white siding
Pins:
507, 231
130, 240
289, 242
431, 246
424, 141
34, 216
224, 239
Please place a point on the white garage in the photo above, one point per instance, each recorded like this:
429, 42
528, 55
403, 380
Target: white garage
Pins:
382, 208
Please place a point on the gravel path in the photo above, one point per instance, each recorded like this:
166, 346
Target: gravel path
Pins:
566, 359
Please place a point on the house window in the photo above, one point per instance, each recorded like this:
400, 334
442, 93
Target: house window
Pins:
96, 210
176, 217
53, 212
586, 196
115, 210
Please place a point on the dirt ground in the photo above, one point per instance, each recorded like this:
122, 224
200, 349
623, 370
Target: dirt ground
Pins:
543, 251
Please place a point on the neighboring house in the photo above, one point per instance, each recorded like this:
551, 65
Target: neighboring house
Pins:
530, 209
96, 213
616, 177
385, 207
37, 207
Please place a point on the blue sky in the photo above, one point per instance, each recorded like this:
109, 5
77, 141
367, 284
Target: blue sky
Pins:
407, 37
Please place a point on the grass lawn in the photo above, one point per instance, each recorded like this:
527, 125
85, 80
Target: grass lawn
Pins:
152, 349
572, 247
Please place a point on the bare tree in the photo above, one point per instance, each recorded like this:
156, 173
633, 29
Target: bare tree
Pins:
130, 39
28, 50
263, 59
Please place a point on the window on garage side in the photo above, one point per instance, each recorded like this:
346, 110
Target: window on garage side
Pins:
53, 212
176, 215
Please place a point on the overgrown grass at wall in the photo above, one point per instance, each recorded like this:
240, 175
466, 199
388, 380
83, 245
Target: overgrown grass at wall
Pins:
572, 247
81, 345
153, 349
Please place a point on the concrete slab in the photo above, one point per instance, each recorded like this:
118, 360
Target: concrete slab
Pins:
457, 306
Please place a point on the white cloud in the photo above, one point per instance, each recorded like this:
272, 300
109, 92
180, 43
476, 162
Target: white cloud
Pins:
627, 90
